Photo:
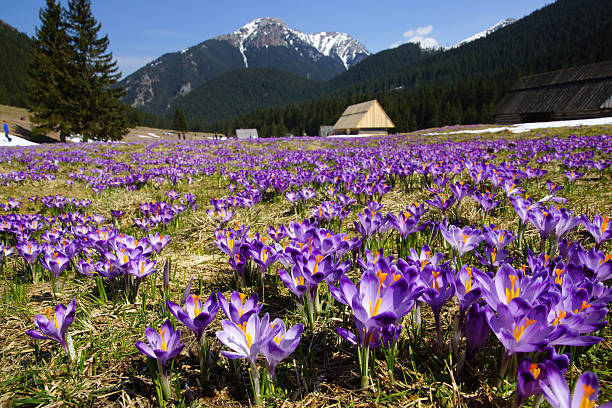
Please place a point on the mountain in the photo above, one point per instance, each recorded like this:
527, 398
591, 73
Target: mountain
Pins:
15, 50
265, 42
273, 32
505, 22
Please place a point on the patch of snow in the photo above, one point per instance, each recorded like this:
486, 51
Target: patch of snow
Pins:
144, 137
15, 141
153, 135
526, 127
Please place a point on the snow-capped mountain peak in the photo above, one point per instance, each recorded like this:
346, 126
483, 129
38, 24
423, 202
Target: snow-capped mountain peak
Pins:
503, 23
270, 31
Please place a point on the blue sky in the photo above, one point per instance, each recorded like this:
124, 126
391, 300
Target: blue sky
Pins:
140, 31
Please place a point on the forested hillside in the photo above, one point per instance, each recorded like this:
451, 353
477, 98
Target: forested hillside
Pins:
243, 90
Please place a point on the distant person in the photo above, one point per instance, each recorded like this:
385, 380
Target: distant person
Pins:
6, 132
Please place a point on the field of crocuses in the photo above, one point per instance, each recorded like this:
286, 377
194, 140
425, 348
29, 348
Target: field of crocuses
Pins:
408, 270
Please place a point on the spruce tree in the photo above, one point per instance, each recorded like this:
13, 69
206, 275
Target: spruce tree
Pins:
94, 97
179, 121
48, 71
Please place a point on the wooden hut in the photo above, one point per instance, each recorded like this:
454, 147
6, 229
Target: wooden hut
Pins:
364, 118
246, 134
573, 93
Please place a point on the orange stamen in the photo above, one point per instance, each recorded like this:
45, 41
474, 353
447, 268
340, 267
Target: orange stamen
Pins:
535, 370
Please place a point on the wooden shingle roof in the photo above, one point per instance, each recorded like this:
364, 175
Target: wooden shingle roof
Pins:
584, 88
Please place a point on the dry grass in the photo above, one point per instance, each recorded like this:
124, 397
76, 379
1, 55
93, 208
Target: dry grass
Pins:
109, 370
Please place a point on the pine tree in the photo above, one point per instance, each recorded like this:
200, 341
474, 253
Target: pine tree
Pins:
179, 121
48, 71
94, 97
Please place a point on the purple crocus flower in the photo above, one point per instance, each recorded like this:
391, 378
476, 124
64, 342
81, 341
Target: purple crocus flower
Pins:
424, 258
369, 222
439, 288
461, 190
553, 187
520, 329
55, 262
230, 241
510, 188
557, 392
492, 257
566, 223
164, 344
441, 202
85, 267
196, 315
54, 327
159, 242
467, 288
173, 195
405, 224
462, 240
282, 344
531, 374
486, 200
263, 255
141, 268
29, 251
247, 339
117, 214
277, 234
476, 330
544, 220
497, 238
600, 228
239, 308
294, 281
380, 300
509, 284
573, 175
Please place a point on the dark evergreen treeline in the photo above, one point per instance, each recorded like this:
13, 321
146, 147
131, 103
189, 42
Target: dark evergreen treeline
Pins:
460, 103
15, 48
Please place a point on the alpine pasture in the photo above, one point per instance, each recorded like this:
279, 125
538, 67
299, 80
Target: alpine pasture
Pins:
411, 270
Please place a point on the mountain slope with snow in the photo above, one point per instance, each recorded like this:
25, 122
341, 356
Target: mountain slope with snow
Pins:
264, 42
274, 32
505, 22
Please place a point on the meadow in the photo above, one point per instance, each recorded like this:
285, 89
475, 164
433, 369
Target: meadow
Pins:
412, 270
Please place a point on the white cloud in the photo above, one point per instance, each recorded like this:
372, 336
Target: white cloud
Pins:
420, 36
419, 31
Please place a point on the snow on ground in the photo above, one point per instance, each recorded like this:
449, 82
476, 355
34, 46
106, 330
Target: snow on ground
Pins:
526, 127
153, 135
144, 137
15, 141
